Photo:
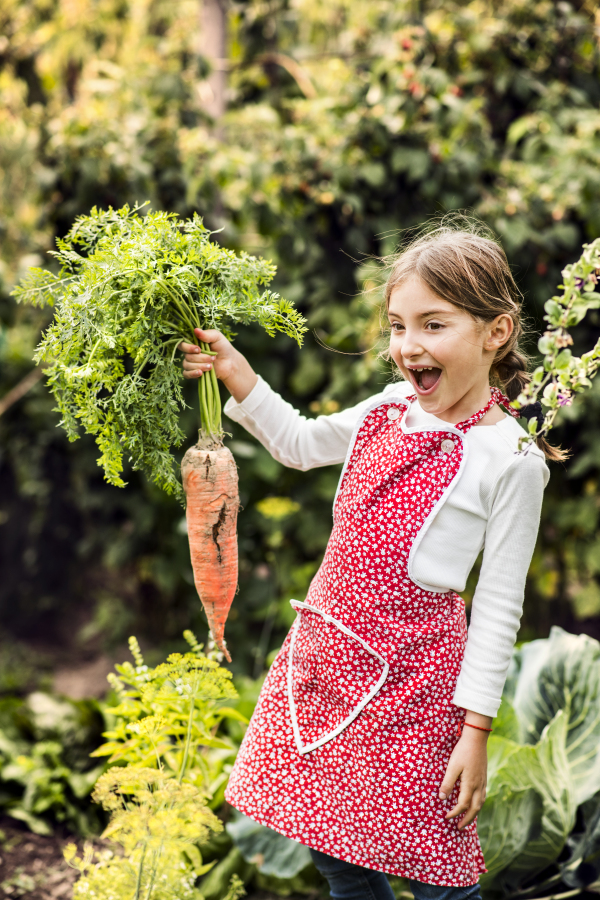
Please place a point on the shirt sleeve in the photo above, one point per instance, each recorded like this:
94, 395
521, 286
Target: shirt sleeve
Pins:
291, 438
510, 539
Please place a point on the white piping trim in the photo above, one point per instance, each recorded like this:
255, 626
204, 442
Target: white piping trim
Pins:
307, 748
435, 509
357, 427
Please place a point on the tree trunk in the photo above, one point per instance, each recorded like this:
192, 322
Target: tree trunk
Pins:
212, 47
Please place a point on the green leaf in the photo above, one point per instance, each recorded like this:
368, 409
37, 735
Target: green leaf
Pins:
142, 284
562, 673
270, 852
506, 723
553, 309
544, 769
35, 823
508, 821
563, 359
583, 866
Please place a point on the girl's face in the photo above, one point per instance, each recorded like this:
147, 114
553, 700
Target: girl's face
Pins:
442, 350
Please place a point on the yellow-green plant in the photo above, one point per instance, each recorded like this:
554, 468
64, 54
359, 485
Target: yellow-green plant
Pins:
168, 767
562, 374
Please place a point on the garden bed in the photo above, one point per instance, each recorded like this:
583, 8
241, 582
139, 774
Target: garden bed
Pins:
32, 865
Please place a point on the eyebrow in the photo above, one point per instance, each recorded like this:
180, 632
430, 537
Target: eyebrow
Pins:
431, 312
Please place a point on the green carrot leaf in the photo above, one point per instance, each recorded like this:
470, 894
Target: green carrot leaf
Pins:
130, 286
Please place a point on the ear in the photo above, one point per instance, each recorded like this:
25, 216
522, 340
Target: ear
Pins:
498, 332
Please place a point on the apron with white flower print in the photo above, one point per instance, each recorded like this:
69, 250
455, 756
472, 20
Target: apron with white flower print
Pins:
354, 726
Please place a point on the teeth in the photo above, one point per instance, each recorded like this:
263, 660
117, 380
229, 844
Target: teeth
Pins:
424, 369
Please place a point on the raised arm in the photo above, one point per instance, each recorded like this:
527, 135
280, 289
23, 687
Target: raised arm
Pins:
292, 439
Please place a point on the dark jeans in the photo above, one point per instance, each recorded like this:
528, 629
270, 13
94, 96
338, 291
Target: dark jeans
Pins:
350, 882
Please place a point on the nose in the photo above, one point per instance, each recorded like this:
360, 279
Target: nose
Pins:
411, 345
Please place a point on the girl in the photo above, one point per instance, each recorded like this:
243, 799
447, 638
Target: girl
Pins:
368, 743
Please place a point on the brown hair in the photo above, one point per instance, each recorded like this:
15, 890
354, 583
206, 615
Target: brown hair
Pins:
462, 263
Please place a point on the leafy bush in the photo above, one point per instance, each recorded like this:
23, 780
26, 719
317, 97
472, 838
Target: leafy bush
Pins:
492, 106
562, 374
46, 776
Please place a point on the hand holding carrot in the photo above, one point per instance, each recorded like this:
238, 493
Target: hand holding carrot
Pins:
229, 364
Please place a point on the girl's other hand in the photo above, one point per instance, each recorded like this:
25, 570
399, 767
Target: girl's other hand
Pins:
469, 763
229, 364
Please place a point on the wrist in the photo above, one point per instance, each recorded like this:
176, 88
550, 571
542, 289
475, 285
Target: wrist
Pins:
477, 726
474, 735
242, 379
477, 719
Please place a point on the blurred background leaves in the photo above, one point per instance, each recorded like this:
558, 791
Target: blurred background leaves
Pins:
314, 134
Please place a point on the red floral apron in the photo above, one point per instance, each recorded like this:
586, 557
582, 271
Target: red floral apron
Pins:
354, 726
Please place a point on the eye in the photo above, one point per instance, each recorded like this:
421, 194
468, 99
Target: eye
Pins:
434, 326
397, 327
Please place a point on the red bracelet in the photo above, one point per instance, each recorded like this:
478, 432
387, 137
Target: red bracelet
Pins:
478, 727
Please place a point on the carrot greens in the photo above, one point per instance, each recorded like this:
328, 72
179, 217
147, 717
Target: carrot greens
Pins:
130, 287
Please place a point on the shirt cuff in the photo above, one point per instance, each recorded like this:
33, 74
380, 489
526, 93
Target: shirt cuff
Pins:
257, 395
478, 703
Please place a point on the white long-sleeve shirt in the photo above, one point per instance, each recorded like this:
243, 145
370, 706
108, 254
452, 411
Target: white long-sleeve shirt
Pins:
494, 503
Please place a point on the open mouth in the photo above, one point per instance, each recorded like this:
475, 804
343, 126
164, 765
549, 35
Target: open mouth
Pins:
425, 379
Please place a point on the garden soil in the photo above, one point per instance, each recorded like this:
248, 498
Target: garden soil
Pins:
32, 866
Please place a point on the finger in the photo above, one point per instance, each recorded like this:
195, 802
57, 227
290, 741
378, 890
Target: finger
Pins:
468, 818
458, 810
447, 785
208, 336
464, 803
476, 804
188, 348
195, 373
197, 359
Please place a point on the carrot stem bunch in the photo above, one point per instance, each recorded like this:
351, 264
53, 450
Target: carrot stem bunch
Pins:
130, 286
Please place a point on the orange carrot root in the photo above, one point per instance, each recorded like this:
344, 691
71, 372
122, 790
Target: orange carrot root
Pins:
210, 482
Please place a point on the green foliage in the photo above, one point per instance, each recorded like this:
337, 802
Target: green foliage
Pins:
170, 765
142, 286
272, 853
169, 716
561, 373
45, 772
345, 124
544, 767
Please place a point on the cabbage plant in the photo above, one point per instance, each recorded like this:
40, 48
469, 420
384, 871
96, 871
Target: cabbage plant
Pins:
540, 825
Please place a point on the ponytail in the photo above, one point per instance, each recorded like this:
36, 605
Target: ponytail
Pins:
511, 371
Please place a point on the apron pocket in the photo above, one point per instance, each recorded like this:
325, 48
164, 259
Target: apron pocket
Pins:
332, 675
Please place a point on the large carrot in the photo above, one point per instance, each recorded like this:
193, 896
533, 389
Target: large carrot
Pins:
210, 482
142, 285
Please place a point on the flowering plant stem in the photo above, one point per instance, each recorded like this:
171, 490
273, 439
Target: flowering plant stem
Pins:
561, 374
